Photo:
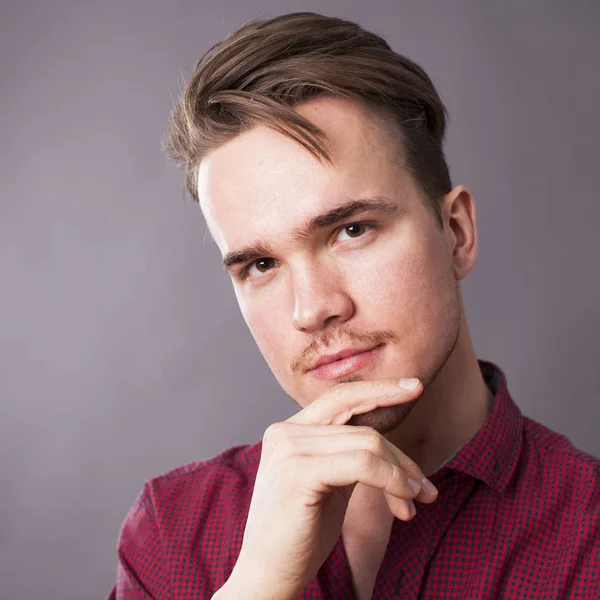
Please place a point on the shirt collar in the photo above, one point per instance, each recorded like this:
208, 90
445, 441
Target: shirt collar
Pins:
491, 455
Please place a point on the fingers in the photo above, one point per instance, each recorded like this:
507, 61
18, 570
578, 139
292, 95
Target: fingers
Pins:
338, 404
403, 509
357, 466
285, 429
346, 439
328, 454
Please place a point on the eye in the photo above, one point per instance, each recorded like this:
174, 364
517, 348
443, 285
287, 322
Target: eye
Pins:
262, 266
355, 230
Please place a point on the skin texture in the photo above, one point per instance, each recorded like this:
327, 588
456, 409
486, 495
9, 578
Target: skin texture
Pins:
395, 281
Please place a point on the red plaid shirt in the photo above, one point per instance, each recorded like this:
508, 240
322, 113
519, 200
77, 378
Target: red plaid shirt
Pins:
518, 516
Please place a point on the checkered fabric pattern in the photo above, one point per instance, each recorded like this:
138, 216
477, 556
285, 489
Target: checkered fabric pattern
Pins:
518, 516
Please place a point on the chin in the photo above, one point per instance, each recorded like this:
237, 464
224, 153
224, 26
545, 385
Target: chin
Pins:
384, 418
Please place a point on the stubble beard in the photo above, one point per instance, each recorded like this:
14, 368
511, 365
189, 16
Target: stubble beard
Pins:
385, 419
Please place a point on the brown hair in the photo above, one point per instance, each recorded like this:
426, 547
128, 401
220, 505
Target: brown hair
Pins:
260, 71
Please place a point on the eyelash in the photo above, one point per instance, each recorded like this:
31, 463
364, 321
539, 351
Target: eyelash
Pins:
244, 273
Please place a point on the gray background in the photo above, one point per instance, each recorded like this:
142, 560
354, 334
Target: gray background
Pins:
122, 352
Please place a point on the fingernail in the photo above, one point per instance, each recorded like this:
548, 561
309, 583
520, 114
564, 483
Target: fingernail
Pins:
412, 508
409, 384
415, 486
428, 486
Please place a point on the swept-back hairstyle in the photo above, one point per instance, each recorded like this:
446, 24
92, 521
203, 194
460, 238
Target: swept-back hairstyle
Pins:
259, 73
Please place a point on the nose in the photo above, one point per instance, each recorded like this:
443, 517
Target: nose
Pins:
320, 299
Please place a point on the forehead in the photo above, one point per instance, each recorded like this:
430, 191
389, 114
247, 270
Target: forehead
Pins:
264, 184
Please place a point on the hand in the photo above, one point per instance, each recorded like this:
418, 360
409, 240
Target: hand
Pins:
309, 467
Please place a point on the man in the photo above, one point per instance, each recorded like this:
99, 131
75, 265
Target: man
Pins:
315, 153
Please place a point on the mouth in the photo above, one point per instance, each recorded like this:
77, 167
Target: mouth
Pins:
344, 363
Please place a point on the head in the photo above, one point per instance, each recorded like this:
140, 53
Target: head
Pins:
315, 153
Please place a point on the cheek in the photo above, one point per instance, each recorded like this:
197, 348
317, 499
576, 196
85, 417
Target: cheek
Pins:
265, 324
405, 282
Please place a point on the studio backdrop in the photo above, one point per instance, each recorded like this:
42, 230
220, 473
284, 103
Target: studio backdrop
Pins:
122, 350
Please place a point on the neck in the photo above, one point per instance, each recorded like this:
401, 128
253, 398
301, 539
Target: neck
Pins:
450, 411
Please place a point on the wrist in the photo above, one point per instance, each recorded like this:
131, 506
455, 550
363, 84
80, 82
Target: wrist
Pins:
250, 587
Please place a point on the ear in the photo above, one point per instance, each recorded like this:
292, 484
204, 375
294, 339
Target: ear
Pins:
458, 210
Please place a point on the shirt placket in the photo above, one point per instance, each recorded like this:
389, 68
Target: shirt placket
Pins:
413, 543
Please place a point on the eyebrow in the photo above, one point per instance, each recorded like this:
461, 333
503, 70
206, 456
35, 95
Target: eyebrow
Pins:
348, 209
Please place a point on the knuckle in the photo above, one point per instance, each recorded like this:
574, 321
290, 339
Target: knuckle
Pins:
412, 470
275, 432
409, 466
279, 443
338, 396
398, 476
375, 441
364, 459
287, 447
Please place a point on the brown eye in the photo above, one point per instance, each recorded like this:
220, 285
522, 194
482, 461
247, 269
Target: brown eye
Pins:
355, 229
263, 264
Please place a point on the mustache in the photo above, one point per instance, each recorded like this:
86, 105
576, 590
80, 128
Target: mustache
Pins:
351, 338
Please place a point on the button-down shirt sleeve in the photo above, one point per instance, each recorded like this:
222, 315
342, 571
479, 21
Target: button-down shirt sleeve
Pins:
141, 571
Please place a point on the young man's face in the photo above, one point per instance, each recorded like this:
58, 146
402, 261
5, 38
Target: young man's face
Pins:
383, 277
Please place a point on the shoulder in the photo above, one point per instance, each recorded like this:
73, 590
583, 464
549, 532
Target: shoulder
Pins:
556, 448
195, 493
232, 469
182, 518
559, 489
559, 467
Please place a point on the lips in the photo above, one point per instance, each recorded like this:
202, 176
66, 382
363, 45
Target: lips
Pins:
344, 362
329, 358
